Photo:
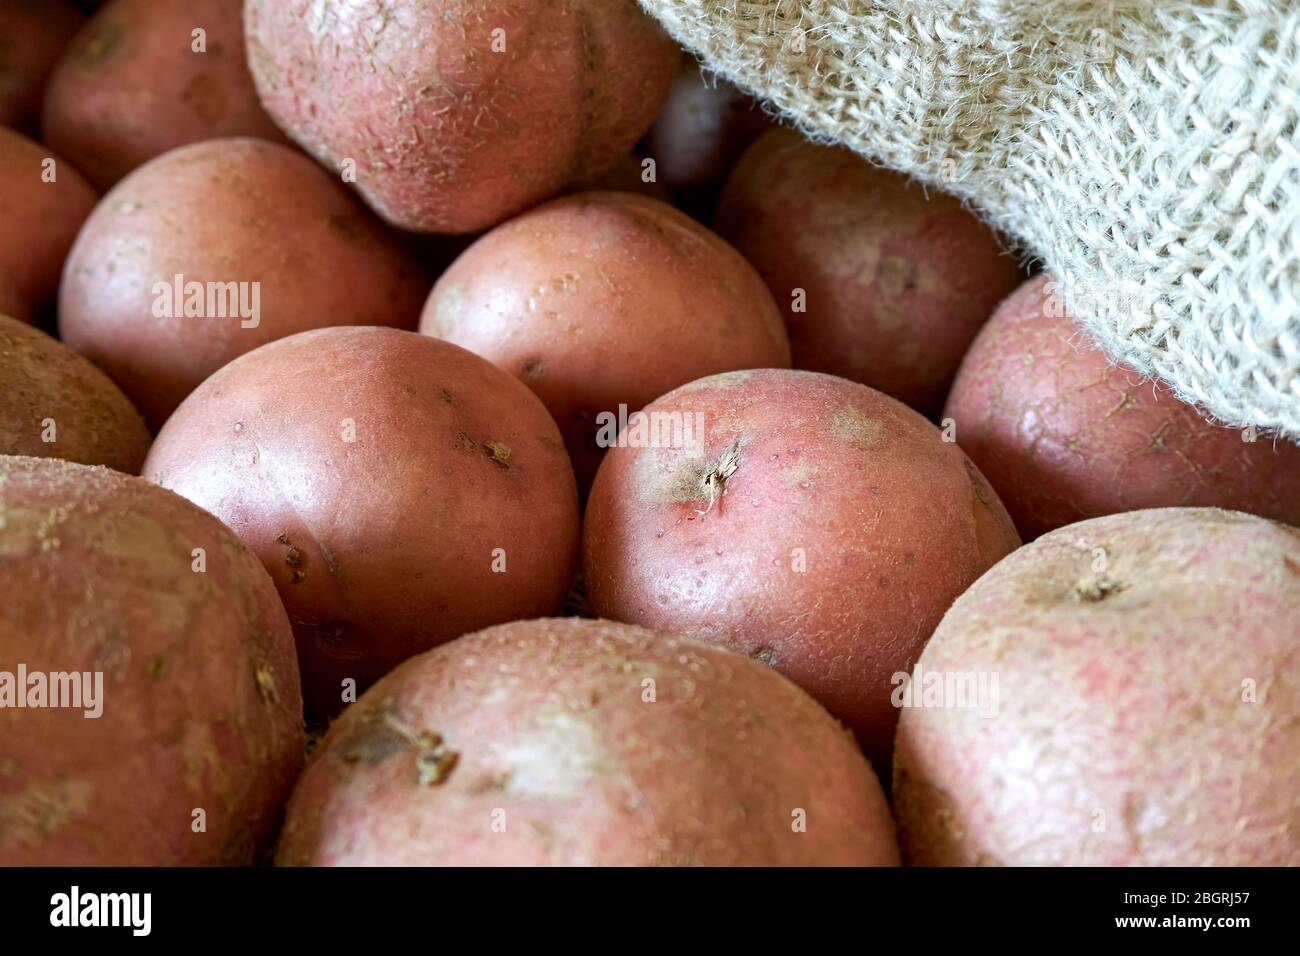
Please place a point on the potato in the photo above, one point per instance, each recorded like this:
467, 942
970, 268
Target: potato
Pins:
43, 202
457, 115
269, 242
880, 281
1063, 434
568, 742
605, 299
139, 81
400, 490
55, 404
32, 35
178, 733
802, 519
701, 132
1145, 710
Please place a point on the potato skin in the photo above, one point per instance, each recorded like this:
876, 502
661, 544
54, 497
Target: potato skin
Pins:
594, 743
220, 211
888, 522
130, 86
382, 546
40, 219
700, 134
1123, 646
43, 380
896, 284
32, 35
201, 706
449, 135
605, 298
1063, 434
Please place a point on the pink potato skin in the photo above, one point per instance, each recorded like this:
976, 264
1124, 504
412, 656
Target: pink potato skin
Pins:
553, 735
895, 284
889, 522
200, 701
1148, 713
385, 545
602, 299
131, 87
1063, 434
40, 221
231, 210
32, 35
447, 133
49, 391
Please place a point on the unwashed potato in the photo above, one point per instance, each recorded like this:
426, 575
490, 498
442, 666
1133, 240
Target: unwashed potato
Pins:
270, 242
1063, 434
55, 404
605, 299
458, 115
701, 132
1146, 710
805, 520
32, 35
880, 281
186, 734
139, 80
400, 490
43, 202
568, 742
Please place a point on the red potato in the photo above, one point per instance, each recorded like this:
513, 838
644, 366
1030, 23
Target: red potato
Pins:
459, 115
1063, 434
32, 35
138, 81
55, 404
810, 522
1146, 709
568, 742
879, 281
605, 299
703, 129
400, 490
631, 174
217, 214
43, 202
186, 734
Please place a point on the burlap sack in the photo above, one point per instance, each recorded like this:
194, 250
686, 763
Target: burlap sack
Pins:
1148, 151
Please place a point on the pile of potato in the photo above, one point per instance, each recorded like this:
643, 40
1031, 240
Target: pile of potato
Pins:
622, 477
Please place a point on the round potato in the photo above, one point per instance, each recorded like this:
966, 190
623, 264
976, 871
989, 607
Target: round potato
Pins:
32, 35
701, 132
43, 202
146, 76
880, 281
55, 404
1063, 434
457, 116
602, 300
1143, 710
400, 490
805, 520
151, 712
213, 249
568, 742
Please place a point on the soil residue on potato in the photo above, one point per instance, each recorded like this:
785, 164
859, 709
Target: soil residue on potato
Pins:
691, 479
379, 734
850, 426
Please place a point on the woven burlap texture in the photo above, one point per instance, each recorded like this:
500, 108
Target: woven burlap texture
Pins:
1147, 152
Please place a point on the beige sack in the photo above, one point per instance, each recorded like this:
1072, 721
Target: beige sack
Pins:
1149, 152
